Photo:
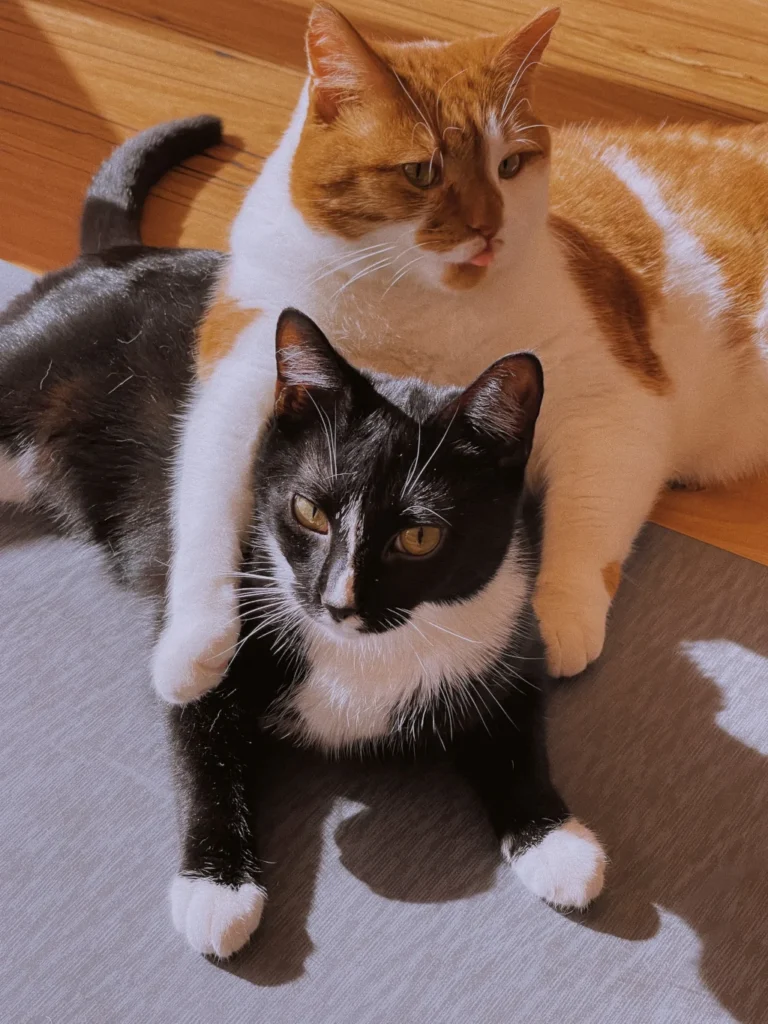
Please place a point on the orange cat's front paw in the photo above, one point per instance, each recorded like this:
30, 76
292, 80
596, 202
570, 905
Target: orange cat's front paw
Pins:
572, 621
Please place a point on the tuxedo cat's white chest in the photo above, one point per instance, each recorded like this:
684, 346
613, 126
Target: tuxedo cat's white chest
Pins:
363, 689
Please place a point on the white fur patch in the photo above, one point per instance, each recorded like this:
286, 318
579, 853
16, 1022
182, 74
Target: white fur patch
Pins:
215, 919
356, 684
566, 869
340, 591
761, 324
689, 269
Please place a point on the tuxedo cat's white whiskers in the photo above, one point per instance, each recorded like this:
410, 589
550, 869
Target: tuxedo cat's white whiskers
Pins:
247, 576
437, 449
426, 639
473, 697
253, 605
414, 464
444, 629
335, 442
417, 510
487, 688
326, 425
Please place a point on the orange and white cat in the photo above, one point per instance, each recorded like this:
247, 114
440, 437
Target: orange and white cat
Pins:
422, 214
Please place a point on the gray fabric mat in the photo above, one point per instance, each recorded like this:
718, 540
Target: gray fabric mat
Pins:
387, 901
12, 280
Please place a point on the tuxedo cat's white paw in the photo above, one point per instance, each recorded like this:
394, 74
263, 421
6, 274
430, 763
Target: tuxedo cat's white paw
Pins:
216, 919
192, 655
572, 622
566, 868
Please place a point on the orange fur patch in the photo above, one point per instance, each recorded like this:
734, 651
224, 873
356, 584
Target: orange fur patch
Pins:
219, 330
612, 578
618, 301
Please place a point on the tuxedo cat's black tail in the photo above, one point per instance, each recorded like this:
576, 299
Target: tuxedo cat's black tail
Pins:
113, 205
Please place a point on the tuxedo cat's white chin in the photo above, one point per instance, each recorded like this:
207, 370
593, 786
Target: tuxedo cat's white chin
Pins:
216, 920
347, 630
567, 868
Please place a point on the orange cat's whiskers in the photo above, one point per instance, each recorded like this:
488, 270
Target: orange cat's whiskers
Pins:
424, 118
432, 159
525, 66
440, 91
342, 262
401, 273
387, 261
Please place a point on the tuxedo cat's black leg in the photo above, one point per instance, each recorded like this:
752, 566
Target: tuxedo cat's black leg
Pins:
505, 760
217, 898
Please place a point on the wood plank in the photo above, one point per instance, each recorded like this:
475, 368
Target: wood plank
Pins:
733, 518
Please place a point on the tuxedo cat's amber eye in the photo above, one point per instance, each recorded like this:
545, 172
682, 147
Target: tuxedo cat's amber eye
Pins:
418, 540
308, 514
510, 166
422, 175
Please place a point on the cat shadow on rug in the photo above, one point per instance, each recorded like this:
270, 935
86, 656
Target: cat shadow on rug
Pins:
663, 743
414, 834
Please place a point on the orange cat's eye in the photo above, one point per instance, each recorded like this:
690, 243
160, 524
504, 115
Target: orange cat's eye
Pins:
418, 541
423, 175
510, 166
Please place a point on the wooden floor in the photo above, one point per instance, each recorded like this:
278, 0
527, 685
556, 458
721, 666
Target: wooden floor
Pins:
78, 77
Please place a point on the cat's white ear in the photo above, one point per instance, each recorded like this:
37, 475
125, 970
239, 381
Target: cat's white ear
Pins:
503, 402
307, 364
342, 66
523, 49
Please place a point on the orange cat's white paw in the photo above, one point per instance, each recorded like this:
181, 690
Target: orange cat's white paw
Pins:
572, 622
192, 654
215, 919
567, 868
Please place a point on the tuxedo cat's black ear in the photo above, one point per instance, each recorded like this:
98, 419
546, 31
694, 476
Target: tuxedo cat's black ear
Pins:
503, 402
307, 365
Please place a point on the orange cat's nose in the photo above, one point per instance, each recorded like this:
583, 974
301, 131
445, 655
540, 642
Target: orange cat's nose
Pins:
485, 230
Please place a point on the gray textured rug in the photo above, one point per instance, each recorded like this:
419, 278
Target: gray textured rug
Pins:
387, 901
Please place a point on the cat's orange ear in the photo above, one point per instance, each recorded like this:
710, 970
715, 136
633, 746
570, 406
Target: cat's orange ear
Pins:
342, 66
523, 49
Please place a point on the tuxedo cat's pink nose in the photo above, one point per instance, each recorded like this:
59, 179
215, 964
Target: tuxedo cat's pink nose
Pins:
338, 614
